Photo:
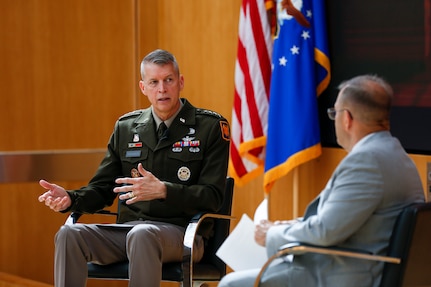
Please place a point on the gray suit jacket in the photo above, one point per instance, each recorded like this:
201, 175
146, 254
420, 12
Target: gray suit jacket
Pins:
357, 209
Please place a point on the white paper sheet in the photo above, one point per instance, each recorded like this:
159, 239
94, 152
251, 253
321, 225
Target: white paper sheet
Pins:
240, 251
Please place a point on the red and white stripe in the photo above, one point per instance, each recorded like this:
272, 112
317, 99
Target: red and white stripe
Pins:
251, 99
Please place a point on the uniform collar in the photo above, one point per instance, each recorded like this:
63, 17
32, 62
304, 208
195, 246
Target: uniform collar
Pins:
179, 127
169, 121
185, 115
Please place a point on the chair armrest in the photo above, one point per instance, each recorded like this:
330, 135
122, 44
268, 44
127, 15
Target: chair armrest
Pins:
194, 224
301, 248
297, 248
74, 216
189, 238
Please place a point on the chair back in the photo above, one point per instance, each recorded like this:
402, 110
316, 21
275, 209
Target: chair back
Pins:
221, 232
410, 241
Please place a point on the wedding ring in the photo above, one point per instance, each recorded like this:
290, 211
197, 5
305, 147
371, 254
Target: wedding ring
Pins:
131, 195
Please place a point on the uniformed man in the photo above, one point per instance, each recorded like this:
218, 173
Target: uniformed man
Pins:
167, 162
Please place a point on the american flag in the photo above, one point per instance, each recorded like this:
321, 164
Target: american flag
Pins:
251, 99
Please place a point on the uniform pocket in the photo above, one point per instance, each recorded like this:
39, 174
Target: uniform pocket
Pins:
130, 159
134, 155
186, 156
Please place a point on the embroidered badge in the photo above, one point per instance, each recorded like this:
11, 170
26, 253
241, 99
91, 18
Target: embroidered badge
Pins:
135, 138
225, 130
184, 173
134, 173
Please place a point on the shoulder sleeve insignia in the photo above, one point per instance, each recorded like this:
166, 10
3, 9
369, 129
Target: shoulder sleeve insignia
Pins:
225, 130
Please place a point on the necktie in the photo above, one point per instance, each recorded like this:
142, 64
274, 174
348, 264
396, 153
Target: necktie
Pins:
161, 130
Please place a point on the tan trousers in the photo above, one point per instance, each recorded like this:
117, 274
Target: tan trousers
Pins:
146, 244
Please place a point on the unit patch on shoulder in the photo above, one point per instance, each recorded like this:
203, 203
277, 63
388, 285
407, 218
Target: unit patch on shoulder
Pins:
225, 130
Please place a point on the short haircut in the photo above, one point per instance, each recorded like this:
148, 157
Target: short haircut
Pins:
370, 94
159, 57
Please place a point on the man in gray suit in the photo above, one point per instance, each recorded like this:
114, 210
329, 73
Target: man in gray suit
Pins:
358, 206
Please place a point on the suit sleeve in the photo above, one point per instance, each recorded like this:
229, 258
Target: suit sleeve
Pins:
353, 194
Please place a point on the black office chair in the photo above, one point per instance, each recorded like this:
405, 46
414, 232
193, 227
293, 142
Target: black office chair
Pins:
209, 269
407, 262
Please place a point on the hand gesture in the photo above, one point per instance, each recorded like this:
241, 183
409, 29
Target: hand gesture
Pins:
142, 188
56, 197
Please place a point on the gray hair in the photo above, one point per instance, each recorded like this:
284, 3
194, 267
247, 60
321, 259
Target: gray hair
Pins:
159, 57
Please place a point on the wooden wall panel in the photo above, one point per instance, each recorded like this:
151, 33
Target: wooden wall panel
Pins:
70, 68
68, 71
147, 36
203, 36
27, 231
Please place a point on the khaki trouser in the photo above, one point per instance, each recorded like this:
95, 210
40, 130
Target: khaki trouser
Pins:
145, 244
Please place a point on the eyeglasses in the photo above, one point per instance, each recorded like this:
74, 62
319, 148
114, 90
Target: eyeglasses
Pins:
332, 112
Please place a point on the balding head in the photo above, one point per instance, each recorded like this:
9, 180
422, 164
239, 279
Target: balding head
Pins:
369, 99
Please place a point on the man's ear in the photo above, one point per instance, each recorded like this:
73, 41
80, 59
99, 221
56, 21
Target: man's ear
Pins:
347, 120
142, 86
181, 82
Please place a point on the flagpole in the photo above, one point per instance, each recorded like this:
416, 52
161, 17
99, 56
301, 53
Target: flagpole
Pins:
295, 192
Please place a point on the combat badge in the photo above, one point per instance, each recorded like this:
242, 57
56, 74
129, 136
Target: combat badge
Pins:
225, 130
184, 173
